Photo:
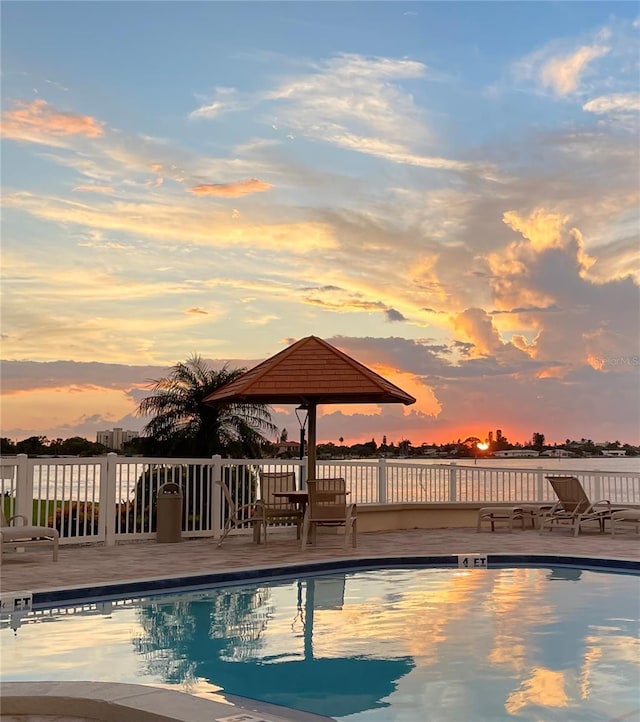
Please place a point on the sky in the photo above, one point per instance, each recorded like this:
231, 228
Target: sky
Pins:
446, 191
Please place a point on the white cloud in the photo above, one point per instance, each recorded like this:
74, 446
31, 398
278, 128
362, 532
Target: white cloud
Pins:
568, 66
562, 74
352, 93
359, 103
224, 100
614, 102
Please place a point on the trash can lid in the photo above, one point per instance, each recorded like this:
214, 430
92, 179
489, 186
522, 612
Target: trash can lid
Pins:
170, 489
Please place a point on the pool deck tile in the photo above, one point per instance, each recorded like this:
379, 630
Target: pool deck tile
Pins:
95, 565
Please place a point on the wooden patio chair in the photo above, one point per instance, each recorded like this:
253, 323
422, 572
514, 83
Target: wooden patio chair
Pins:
328, 507
573, 508
14, 536
277, 510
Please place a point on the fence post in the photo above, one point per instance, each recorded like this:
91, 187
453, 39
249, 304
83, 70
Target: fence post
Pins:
108, 499
539, 484
24, 488
216, 495
596, 494
453, 481
382, 480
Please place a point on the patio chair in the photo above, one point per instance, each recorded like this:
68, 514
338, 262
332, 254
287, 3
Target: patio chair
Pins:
277, 510
573, 508
14, 536
238, 516
328, 507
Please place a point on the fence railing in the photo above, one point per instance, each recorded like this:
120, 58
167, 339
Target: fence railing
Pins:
111, 498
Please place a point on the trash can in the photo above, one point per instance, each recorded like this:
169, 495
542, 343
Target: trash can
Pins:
169, 519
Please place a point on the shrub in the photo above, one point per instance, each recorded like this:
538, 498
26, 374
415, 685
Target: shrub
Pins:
75, 518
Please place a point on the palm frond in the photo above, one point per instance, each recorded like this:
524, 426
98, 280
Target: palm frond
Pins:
180, 419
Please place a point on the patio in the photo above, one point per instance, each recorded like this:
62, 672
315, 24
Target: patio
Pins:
90, 565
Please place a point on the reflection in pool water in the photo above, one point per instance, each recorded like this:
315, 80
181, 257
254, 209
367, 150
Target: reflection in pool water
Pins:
390, 645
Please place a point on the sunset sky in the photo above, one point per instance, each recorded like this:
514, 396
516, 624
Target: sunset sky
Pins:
447, 191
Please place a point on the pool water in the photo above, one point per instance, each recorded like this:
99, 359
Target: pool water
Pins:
390, 645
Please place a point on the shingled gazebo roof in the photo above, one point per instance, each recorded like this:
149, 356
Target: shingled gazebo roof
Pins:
311, 370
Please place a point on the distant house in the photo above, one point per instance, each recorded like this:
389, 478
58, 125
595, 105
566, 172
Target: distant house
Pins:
287, 448
516, 453
557, 453
614, 452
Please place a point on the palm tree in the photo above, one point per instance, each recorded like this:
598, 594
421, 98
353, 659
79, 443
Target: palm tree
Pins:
183, 425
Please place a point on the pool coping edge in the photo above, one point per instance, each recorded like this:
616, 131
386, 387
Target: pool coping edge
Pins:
91, 592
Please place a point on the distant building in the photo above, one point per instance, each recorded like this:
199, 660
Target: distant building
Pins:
116, 438
287, 448
516, 453
614, 452
557, 453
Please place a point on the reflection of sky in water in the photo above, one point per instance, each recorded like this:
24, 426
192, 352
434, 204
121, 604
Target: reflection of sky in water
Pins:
394, 646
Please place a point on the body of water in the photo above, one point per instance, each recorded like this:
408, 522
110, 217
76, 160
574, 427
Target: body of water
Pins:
594, 463
386, 645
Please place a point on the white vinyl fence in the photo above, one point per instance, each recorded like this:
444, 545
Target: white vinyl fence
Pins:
111, 498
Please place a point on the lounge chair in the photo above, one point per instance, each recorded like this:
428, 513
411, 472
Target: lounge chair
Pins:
278, 510
493, 514
621, 518
328, 507
573, 508
238, 516
14, 536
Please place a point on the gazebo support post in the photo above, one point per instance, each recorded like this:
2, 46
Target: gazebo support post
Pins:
311, 443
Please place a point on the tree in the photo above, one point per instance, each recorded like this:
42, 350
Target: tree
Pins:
33, 446
182, 425
363, 450
7, 446
537, 441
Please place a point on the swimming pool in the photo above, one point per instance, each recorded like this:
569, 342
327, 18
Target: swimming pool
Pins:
390, 645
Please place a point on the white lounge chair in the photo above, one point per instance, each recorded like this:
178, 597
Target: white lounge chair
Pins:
13, 536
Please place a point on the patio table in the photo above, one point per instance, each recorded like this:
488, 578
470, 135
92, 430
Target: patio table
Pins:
293, 496
299, 497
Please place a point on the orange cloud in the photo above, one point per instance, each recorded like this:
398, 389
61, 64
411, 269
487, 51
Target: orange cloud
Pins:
93, 189
37, 121
477, 326
542, 228
426, 401
231, 190
38, 411
546, 229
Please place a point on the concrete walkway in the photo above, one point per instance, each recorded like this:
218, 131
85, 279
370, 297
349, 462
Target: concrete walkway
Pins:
34, 570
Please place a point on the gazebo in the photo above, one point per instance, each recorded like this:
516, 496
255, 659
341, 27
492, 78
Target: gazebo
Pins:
308, 373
